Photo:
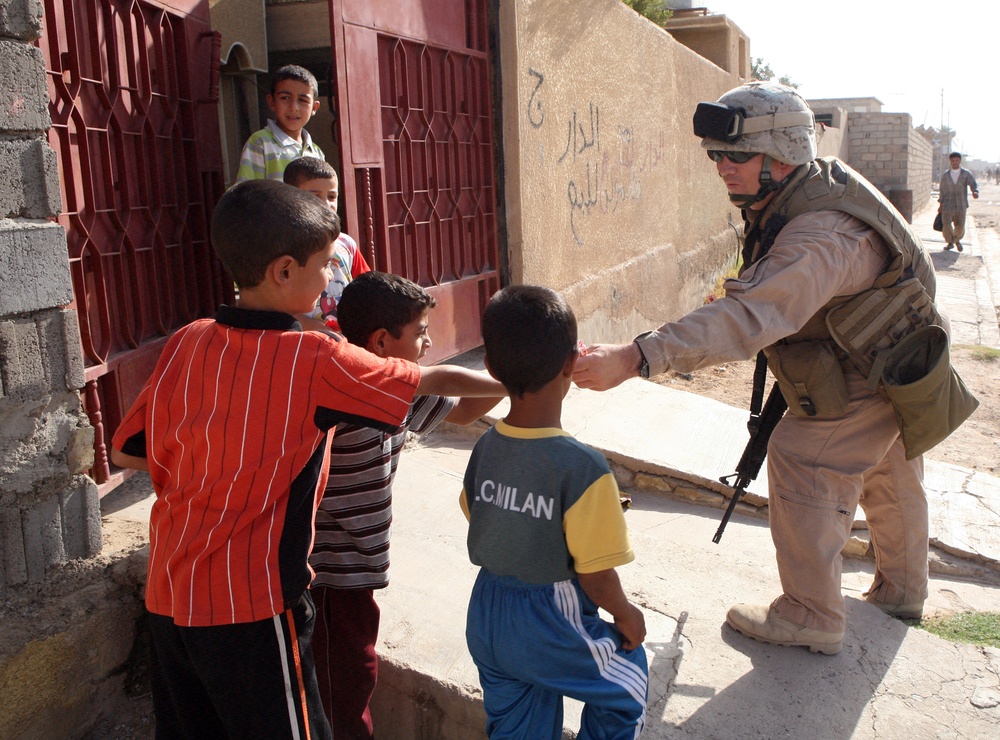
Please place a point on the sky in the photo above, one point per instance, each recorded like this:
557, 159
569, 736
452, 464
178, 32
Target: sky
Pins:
903, 52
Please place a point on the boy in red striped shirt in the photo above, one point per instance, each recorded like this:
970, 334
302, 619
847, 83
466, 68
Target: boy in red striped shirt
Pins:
233, 427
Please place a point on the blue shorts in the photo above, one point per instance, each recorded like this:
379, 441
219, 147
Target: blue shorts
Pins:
533, 645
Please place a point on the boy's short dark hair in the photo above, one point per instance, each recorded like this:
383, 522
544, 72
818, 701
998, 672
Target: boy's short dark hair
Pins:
257, 221
955, 154
294, 72
380, 300
529, 332
304, 169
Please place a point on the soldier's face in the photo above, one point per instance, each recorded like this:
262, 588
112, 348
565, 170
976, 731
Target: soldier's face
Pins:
744, 178
741, 178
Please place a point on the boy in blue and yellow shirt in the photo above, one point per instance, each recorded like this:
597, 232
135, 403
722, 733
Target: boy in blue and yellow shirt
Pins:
546, 525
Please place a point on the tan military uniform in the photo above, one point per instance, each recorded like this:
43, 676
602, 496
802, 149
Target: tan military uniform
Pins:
819, 469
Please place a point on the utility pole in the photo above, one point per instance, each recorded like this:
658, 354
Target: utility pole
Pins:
944, 142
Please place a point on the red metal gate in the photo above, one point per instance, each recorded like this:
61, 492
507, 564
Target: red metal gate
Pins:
416, 130
133, 99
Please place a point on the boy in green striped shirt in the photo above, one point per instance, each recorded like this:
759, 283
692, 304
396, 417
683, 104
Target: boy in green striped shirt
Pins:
294, 98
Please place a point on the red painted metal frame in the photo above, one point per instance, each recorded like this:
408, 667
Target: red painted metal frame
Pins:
133, 90
413, 80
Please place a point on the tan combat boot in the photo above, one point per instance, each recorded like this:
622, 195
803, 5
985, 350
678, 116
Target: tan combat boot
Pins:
766, 625
900, 611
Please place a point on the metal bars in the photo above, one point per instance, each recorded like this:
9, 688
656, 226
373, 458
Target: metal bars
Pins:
132, 90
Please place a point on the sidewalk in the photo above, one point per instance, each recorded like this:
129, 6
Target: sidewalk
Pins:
668, 448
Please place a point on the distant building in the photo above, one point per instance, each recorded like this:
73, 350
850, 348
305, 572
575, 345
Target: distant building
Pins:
884, 147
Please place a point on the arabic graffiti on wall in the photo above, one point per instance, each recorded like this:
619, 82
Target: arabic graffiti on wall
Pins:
601, 176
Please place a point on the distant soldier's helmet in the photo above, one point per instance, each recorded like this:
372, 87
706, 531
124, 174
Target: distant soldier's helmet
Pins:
761, 117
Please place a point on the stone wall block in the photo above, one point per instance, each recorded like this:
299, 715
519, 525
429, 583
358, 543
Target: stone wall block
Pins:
80, 447
40, 354
24, 102
43, 542
59, 348
29, 179
70, 343
21, 19
21, 365
34, 267
14, 569
39, 436
81, 519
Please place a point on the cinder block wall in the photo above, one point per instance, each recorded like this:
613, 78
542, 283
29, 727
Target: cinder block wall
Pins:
886, 149
920, 173
48, 506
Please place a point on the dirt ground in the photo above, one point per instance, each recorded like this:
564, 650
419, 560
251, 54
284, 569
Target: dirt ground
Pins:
975, 445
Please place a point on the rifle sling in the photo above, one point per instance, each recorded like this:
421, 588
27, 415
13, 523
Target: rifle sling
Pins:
757, 396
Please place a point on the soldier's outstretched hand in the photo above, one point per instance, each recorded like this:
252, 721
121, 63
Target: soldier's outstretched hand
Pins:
604, 366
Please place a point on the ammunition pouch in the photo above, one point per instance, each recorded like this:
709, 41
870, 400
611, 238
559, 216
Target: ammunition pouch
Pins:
928, 396
872, 322
894, 338
810, 377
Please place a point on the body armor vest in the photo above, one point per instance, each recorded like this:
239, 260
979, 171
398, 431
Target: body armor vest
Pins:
901, 298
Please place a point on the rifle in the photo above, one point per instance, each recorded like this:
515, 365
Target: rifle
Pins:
760, 425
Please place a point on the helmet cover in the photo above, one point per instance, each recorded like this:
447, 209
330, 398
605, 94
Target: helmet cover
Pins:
793, 144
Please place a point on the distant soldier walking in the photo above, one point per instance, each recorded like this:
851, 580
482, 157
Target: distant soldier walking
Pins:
954, 201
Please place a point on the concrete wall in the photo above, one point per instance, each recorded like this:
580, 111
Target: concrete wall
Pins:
884, 147
851, 105
831, 138
895, 157
610, 198
65, 648
241, 23
48, 507
298, 24
714, 37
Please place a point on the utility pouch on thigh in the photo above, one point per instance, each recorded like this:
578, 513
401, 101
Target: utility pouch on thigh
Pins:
928, 396
810, 378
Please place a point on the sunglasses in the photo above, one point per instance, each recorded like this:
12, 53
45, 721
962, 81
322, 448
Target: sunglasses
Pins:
735, 157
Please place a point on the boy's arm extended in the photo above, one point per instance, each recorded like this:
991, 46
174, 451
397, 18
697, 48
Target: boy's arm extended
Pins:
605, 590
469, 410
452, 380
122, 460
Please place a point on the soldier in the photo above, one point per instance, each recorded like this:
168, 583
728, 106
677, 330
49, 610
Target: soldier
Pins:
839, 445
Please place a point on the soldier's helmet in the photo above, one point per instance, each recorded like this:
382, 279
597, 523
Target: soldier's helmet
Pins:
762, 117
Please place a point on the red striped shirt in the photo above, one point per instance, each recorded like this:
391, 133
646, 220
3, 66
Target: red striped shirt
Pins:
233, 423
